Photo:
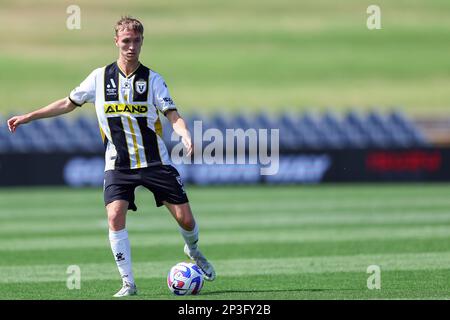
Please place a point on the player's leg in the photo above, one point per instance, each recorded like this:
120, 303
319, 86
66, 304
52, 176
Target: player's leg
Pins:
167, 187
189, 230
117, 212
182, 214
185, 219
119, 197
120, 245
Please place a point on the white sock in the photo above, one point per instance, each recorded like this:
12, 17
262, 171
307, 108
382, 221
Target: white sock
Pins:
120, 246
190, 237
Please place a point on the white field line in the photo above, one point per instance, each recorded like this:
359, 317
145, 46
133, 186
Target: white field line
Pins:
255, 206
279, 219
236, 267
231, 237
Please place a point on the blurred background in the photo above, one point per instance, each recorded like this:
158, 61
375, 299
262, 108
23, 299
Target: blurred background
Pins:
352, 105
240, 56
311, 69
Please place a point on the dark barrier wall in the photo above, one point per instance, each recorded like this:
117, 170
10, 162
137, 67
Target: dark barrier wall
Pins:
302, 167
25, 169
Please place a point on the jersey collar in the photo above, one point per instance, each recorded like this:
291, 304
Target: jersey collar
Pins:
131, 74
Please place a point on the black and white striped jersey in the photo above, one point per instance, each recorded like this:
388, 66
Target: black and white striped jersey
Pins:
128, 110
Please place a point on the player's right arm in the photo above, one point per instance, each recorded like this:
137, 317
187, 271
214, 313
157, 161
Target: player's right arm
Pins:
52, 110
85, 92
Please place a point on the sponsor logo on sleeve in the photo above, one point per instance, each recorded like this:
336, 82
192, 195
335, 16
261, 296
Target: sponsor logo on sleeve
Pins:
168, 100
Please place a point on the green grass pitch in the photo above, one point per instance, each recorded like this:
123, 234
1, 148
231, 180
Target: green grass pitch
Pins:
270, 242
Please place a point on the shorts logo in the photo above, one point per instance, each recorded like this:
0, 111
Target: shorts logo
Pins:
180, 182
141, 86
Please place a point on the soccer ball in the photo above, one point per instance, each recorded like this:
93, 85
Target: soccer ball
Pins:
185, 278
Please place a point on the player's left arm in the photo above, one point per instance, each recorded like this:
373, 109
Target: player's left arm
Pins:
179, 126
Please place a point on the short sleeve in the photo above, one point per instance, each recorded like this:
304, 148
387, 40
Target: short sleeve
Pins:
85, 92
161, 96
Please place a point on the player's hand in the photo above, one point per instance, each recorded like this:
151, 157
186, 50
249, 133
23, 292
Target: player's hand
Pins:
15, 121
187, 142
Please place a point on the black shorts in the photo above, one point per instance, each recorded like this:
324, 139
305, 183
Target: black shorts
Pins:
162, 180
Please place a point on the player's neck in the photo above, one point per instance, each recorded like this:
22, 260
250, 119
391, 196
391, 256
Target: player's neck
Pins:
128, 67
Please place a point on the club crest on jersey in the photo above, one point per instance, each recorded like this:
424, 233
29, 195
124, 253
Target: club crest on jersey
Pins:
141, 86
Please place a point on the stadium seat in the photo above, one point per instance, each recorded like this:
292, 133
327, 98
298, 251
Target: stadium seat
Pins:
242, 122
334, 133
220, 121
264, 121
86, 134
408, 128
296, 132
5, 144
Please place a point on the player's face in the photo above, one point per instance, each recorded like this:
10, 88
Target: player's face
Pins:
129, 43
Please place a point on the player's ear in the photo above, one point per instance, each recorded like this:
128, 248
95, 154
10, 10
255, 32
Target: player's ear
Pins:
115, 41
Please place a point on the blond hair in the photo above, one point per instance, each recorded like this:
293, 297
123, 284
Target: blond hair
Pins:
129, 23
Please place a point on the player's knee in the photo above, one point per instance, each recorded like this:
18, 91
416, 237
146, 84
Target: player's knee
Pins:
116, 215
188, 222
186, 225
116, 222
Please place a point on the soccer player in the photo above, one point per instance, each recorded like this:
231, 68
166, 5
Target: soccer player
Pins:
128, 98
